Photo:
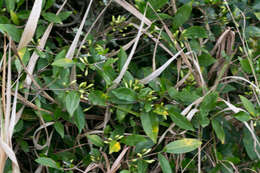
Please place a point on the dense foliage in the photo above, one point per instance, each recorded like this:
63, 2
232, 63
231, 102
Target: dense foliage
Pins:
130, 86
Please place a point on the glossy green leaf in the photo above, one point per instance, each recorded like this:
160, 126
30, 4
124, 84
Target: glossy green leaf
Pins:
132, 140
248, 105
182, 146
51, 17
195, 32
64, 62
97, 97
59, 128
45, 161
219, 130
182, 15
180, 120
72, 102
11, 30
242, 116
96, 140
150, 125
164, 163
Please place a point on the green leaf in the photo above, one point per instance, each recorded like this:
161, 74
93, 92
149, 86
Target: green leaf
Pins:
79, 119
72, 102
248, 142
64, 62
195, 32
45, 161
253, 31
142, 166
48, 4
51, 17
257, 15
59, 128
114, 146
97, 98
150, 125
64, 15
248, 105
242, 116
12, 31
182, 146
10, 5
209, 102
96, 140
206, 59
245, 65
122, 58
218, 128
182, 15
132, 140
157, 4
123, 95
14, 17
179, 119
164, 163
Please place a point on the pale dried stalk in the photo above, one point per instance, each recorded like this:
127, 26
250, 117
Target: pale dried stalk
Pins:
73, 46
122, 72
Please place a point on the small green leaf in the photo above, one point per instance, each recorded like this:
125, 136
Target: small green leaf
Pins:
64, 62
253, 31
165, 165
12, 31
257, 15
195, 32
122, 58
51, 17
248, 105
97, 98
72, 102
218, 130
79, 119
209, 102
10, 4
96, 140
14, 17
245, 65
142, 166
249, 144
150, 125
64, 15
132, 140
45, 161
114, 146
59, 128
206, 59
182, 15
182, 146
123, 95
179, 119
242, 116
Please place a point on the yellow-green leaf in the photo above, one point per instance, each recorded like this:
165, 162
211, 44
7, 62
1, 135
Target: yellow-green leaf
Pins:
150, 125
114, 146
96, 140
182, 146
14, 17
